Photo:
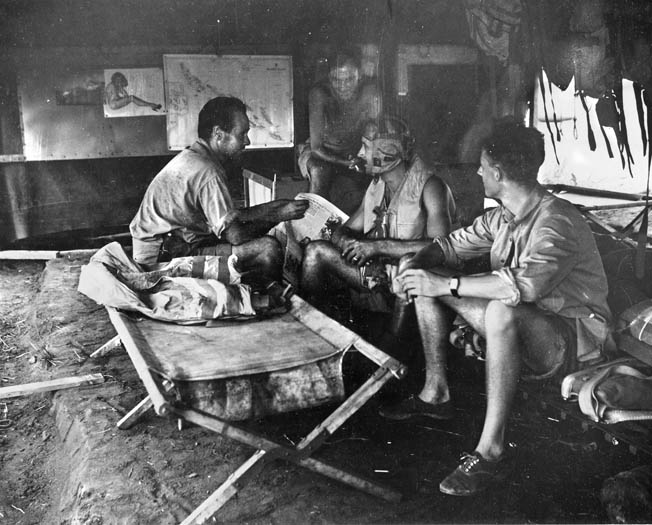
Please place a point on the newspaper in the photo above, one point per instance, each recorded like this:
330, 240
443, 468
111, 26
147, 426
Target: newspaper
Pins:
318, 223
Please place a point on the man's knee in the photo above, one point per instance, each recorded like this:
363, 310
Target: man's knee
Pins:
317, 253
499, 317
318, 167
271, 251
264, 252
404, 261
320, 173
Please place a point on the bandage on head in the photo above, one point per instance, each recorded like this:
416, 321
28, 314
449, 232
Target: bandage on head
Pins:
387, 142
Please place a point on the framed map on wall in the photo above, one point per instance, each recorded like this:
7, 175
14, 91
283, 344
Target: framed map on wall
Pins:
263, 82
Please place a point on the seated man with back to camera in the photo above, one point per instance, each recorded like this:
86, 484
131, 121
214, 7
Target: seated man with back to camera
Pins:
543, 305
188, 210
404, 208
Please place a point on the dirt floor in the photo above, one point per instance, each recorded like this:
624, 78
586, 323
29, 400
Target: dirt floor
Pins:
63, 461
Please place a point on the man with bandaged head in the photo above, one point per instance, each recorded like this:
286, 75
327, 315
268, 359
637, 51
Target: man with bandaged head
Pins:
404, 208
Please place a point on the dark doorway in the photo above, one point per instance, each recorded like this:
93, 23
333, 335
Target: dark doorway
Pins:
442, 104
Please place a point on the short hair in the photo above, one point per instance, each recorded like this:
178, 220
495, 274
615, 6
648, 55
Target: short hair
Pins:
519, 149
219, 111
391, 126
340, 59
117, 75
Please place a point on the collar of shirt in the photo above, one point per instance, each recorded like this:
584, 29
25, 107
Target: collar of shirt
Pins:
534, 199
201, 146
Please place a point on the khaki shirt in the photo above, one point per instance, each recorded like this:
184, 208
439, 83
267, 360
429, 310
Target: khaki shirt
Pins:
554, 263
189, 194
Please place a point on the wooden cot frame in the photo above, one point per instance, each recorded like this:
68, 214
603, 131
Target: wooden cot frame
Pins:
266, 449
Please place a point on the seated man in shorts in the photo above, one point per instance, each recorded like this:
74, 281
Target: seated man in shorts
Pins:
187, 209
542, 308
404, 208
337, 111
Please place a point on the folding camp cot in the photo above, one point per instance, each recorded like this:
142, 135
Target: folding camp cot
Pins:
169, 357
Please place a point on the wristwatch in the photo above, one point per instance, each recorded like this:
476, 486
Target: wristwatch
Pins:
454, 284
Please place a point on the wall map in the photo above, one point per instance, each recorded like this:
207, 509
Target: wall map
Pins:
263, 82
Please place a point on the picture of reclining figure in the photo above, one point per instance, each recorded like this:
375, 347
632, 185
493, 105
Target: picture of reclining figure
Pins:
116, 95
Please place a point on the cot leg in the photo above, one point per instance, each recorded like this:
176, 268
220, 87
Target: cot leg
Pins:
268, 450
141, 409
107, 347
352, 404
135, 414
227, 490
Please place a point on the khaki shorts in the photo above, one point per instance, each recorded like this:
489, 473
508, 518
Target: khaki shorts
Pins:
560, 337
172, 246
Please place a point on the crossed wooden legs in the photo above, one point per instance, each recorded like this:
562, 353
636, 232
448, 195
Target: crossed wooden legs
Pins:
268, 450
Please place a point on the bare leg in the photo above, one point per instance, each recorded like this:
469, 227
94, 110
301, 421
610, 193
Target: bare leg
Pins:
502, 374
260, 259
435, 318
321, 259
513, 334
435, 322
321, 177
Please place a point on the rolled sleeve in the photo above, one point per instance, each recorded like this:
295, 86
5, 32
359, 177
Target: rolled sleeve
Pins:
217, 206
450, 257
470, 242
552, 257
507, 277
223, 223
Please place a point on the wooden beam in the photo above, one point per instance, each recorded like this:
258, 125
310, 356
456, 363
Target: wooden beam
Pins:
277, 450
126, 334
340, 336
107, 347
47, 386
46, 255
12, 158
620, 206
609, 229
594, 192
132, 417
226, 491
29, 255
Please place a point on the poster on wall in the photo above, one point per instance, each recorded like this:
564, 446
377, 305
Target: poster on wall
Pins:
62, 114
133, 92
79, 88
263, 82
